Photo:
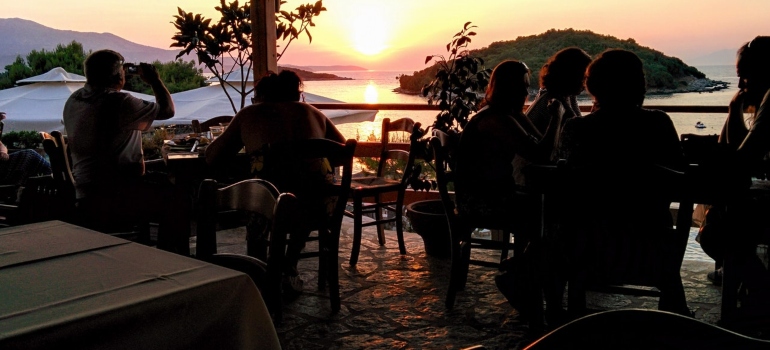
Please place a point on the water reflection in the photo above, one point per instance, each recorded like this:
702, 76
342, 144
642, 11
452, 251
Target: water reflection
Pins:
370, 94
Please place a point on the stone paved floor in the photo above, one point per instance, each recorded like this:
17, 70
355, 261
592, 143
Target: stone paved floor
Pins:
397, 302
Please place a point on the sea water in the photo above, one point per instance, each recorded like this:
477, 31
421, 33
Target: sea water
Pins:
378, 86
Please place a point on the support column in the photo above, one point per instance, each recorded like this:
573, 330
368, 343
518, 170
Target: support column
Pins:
263, 40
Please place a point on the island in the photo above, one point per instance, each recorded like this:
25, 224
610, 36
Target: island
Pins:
664, 74
306, 75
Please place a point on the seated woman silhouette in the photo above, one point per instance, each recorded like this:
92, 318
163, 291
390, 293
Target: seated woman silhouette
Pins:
747, 149
278, 116
617, 218
561, 80
484, 184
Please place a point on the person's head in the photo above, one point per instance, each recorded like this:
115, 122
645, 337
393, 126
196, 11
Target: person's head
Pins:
563, 73
283, 87
616, 78
104, 68
753, 68
508, 85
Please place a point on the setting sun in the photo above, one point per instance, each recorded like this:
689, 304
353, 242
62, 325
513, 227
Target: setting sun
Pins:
370, 30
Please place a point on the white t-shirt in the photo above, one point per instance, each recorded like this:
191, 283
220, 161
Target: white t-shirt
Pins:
104, 130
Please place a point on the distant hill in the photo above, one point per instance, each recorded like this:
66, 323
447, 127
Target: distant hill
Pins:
20, 36
310, 76
721, 57
663, 73
335, 68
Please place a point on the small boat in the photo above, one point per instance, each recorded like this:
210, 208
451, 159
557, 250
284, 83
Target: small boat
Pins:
700, 125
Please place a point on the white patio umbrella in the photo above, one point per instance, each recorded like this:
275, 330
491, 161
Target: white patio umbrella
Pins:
211, 101
38, 106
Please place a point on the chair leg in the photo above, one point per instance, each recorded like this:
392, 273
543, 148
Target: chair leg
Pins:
357, 230
465, 262
378, 217
332, 269
454, 276
506, 239
400, 227
322, 259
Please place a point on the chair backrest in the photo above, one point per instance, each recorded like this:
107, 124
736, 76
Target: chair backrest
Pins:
270, 216
254, 196
338, 154
700, 149
621, 208
643, 329
199, 127
388, 154
56, 148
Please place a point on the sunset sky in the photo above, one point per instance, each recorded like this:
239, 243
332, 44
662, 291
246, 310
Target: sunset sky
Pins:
398, 34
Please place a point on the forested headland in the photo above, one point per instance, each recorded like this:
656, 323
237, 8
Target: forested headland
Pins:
664, 74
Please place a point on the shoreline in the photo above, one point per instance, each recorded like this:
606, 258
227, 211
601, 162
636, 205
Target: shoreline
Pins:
693, 85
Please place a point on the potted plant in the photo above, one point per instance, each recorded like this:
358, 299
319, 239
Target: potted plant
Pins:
456, 90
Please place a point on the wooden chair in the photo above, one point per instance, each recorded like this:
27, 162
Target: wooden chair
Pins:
460, 227
265, 209
199, 127
393, 184
643, 329
605, 214
339, 156
61, 191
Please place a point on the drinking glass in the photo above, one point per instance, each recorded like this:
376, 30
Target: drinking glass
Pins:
216, 131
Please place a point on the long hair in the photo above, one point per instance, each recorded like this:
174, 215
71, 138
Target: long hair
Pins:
509, 79
754, 59
563, 73
616, 78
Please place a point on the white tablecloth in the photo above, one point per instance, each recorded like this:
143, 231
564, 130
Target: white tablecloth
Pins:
64, 286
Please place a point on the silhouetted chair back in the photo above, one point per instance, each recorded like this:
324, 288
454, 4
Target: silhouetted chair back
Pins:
62, 193
268, 219
393, 171
199, 127
461, 228
289, 155
643, 329
61, 190
618, 225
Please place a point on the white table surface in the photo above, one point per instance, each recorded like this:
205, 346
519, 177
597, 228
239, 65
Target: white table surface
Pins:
64, 286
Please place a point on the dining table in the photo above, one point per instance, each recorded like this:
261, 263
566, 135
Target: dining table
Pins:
65, 286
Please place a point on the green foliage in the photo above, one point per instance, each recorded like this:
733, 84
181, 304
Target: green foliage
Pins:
286, 23
70, 57
176, 75
662, 71
458, 78
22, 139
225, 46
15, 71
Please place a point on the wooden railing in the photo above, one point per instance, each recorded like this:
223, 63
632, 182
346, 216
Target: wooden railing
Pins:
372, 149
426, 107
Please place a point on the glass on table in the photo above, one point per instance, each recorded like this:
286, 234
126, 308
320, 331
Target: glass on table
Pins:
216, 131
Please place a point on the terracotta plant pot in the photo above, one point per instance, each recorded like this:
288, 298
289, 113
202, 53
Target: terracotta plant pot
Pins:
429, 221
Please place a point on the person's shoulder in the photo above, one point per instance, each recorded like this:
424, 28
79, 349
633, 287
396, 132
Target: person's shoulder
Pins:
654, 115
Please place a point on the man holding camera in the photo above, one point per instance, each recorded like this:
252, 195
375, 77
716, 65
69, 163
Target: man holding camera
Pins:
104, 128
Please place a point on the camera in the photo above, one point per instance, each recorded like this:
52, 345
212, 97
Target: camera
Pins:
131, 68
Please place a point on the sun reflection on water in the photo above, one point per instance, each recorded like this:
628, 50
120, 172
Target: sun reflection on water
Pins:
370, 94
